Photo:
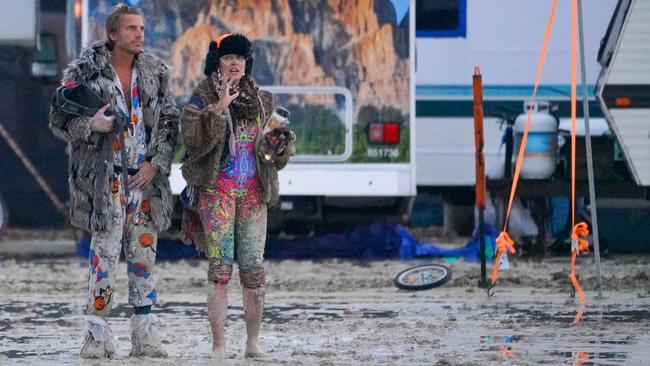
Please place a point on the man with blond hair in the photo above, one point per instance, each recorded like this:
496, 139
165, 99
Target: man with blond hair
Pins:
119, 175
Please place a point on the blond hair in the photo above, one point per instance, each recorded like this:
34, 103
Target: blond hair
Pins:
113, 20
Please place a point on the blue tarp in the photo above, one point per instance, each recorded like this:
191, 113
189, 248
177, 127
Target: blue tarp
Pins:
411, 248
379, 240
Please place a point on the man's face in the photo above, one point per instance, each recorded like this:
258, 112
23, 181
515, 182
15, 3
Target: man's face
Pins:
129, 36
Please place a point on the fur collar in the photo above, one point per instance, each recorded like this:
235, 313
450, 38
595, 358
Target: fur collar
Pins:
247, 105
94, 62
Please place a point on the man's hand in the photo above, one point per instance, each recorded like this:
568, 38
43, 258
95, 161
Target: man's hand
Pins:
144, 176
101, 122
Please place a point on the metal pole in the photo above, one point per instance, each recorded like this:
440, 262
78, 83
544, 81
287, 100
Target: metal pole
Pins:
33, 171
481, 232
590, 164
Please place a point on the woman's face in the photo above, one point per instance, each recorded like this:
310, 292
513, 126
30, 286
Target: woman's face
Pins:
232, 66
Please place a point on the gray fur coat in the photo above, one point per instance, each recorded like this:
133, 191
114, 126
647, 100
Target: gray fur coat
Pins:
91, 155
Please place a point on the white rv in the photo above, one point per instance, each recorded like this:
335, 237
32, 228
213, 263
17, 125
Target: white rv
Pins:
504, 39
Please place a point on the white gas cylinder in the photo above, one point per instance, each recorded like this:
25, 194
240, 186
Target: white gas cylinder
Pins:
541, 145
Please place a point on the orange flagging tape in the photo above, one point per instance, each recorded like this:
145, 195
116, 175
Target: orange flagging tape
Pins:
522, 148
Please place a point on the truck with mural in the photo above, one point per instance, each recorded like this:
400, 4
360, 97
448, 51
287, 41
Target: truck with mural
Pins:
341, 68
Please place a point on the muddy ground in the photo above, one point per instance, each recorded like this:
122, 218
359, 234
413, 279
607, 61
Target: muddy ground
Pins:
337, 312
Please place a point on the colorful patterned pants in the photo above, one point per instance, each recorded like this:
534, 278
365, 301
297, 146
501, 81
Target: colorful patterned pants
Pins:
234, 219
132, 228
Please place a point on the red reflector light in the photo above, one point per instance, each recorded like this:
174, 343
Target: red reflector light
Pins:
623, 102
391, 133
376, 133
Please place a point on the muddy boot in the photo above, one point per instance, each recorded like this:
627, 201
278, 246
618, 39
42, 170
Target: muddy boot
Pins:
98, 340
217, 310
145, 339
253, 309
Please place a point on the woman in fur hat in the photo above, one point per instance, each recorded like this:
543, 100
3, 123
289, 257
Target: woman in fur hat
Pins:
233, 181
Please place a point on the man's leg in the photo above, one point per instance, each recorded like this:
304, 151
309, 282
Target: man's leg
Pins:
103, 258
140, 253
216, 209
251, 238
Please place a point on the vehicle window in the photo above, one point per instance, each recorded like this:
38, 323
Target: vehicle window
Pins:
440, 18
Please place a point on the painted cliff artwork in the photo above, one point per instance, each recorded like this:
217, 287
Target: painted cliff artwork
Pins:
362, 46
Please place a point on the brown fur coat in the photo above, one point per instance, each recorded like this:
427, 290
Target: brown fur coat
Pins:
206, 135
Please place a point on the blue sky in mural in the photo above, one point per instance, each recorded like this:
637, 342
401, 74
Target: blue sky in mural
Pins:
401, 6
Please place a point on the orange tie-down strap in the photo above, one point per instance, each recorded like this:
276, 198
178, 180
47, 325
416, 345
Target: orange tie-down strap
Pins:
506, 242
579, 244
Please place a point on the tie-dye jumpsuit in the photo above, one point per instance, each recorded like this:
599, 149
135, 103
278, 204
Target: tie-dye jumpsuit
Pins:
233, 214
131, 225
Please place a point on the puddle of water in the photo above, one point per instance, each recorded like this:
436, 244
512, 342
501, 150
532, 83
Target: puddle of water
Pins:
618, 316
592, 357
375, 314
592, 352
14, 353
16, 339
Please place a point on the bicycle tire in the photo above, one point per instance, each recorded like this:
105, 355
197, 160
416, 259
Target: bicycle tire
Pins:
4, 213
412, 279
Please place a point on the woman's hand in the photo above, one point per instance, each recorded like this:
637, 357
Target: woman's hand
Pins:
225, 97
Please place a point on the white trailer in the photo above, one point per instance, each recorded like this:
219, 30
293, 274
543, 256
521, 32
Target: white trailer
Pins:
623, 87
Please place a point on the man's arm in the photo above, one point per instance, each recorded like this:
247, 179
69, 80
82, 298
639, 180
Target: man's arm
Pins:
71, 128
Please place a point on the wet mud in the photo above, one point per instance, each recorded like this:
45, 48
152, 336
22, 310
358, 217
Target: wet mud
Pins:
339, 312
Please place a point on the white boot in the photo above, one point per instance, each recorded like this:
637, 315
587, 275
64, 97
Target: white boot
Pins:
144, 336
98, 340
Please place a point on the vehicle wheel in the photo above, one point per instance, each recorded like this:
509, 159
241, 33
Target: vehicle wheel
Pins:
423, 277
4, 213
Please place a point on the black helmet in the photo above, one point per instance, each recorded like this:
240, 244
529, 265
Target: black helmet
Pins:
77, 99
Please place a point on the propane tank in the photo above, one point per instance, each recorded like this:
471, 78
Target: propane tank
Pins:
539, 160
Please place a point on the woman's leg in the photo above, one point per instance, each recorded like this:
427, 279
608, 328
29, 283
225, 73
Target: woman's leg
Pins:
217, 312
251, 238
217, 212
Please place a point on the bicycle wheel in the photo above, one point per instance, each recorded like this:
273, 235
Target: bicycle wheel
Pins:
423, 277
4, 213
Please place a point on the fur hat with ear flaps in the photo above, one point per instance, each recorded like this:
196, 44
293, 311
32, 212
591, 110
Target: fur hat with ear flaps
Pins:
227, 44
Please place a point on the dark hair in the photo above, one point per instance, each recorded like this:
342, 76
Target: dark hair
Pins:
236, 44
113, 20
